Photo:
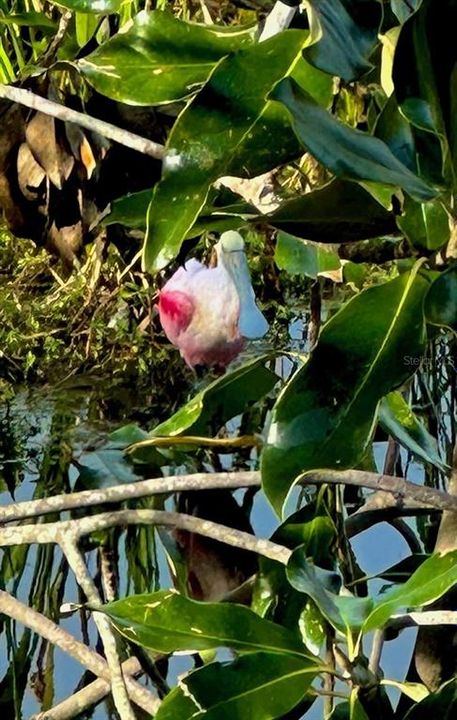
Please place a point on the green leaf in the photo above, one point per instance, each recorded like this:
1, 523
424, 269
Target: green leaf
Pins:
403, 9
229, 128
341, 211
130, 210
258, 686
426, 225
160, 59
167, 622
397, 419
324, 418
441, 704
441, 300
345, 151
343, 613
428, 583
223, 399
300, 257
30, 19
415, 691
343, 35
313, 530
101, 7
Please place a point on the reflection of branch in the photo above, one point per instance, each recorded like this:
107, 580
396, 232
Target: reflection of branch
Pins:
48, 107
71, 646
57, 531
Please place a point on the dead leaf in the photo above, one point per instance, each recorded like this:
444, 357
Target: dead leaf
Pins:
50, 154
30, 174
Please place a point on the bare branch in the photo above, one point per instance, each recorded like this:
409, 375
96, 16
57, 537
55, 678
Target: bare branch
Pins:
427, 617
54, 532
48, 107
87, 697
129, 491
71, 646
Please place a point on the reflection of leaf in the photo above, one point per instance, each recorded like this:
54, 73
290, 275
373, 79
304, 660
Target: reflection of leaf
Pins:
345, 151
260, 686
398, 420
160, 58
324, 418
167, 622
344, 33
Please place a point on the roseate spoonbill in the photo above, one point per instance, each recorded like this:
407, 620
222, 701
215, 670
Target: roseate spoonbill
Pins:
209, 312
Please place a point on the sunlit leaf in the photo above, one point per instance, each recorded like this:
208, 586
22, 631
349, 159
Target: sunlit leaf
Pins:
258, 686
415, 691
441, 704
428, 583
160, 58
167, 622
230, 128
397, 419
223, 399
347, 152
324, 418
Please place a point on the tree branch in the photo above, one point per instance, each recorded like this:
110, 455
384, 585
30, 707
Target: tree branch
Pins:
54, 532
48, 107
81, 653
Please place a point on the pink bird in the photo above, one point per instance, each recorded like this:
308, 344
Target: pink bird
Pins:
207, 313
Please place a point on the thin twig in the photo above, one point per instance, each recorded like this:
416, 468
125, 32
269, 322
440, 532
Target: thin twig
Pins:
56, 635
48, 107
376, 650
426, 617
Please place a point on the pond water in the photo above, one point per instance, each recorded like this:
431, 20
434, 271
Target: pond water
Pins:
46, 435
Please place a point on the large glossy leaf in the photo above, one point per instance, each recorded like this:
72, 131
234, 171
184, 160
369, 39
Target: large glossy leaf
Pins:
441, 704
258, 686
426, 225
324, 418
428, 583
441, 300
341, 211
344, 33
397, 419
160, 58
345, 151
168, 622
223, 399
230, 128
90, 6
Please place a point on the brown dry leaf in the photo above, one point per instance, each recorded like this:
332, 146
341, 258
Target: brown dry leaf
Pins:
65, 241
87, 157
30, 174
42, 140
